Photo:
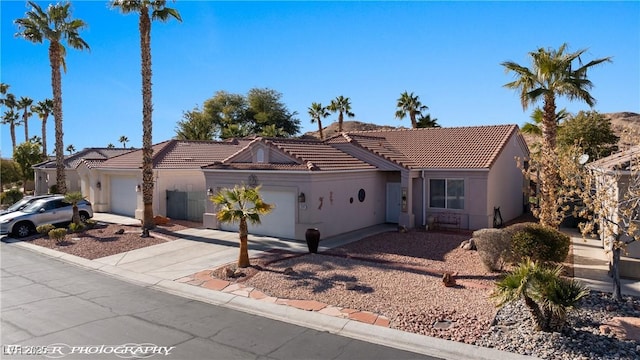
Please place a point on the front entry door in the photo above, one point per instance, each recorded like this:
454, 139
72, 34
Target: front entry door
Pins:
394, 202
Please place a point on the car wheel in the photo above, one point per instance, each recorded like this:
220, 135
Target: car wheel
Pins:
23, 229
84, 217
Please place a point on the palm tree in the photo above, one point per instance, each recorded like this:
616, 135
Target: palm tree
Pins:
24, 104
273, 131
342, 106
410, 104
159, 11
11, 117
71, 149
545, 292
317, 112
237, 205
74, 198
124, 140
551, 74
535, 127
56, 26
111, 146
43, 109
425, 121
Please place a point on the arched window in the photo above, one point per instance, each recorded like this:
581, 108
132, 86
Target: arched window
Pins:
260, 155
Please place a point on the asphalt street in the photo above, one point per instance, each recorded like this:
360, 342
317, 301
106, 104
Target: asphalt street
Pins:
74, 313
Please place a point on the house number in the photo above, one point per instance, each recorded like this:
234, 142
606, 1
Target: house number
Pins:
253, 180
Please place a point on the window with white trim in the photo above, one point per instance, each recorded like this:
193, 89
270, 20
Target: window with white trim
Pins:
446, 193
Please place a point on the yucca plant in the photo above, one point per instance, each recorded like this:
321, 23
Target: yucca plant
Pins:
545, 292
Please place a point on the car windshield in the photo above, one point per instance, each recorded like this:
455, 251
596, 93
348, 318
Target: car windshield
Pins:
20, 203
34, 206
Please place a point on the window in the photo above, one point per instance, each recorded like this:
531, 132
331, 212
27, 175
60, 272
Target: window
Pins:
260, 155
446, 193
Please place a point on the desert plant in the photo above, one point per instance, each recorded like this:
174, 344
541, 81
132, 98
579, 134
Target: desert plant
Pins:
540, 243
44, 229
11, 196
73, 227
492, 246
58, 234
545, 292
90, 224
53, 189
74, 198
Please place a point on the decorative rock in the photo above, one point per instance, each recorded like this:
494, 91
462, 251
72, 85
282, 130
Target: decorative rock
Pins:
228, 272
239, 273
448, 279
288, 271
468, 244
119, 232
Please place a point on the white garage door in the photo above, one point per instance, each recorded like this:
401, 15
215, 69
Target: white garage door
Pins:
124, 198
280, 222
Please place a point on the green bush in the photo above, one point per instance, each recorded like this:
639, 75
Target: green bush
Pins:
492, 247
90, 224
58, 234
53, 189
10, 197
73, 227
44, 229
539, 243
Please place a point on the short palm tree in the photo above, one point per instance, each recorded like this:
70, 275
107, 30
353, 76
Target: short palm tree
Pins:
56, 26
341, 105
124, 140
74, 198
43, 109
239, 205
545, 292
160, 12
111, 146
425, 121
317, 112
551, 74
24, 104
71, 149
410, 104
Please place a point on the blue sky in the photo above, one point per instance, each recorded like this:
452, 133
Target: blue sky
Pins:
448, 53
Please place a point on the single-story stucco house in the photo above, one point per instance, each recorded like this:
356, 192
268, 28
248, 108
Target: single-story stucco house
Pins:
448, 177
615, 174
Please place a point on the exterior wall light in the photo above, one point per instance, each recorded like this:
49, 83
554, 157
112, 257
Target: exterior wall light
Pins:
301, 198
138, 188
209, 192
99, 185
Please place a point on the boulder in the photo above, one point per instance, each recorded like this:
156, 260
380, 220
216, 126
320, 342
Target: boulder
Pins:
448, 279
469, 244
288, 271
624, 328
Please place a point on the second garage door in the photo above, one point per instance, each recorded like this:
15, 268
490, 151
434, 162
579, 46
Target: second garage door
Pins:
280, 222
124, 199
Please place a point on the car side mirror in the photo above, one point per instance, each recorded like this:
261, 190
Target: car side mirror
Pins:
42, 210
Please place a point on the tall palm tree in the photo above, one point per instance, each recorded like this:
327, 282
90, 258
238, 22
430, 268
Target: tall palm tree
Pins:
410, 104
24, 104
56, 26
317, 112
425, 121
535, 127
342, 106
10, 117
159, 11
239, 205
124, 140
551, 74
43, 109
71, 149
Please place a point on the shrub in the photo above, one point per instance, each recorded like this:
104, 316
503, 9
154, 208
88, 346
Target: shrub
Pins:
492, 246
11, 197
58, 234
90, 224
44, 229
73, 227
53, 189
539, 243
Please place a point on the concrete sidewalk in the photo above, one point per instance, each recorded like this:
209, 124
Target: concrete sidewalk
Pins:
159, 267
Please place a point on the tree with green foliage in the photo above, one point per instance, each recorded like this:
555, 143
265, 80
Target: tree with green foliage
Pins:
425, 121
74, 198
341, 105
552, 74
26, 155
123, 140
592, 131
239, 205
111, 146
56, 26
43, 109
10, 117
410, 104
545, 292
159, 11
195, 125
535, 127
317, 112
10, 172
266, 108
71, 149
24, 104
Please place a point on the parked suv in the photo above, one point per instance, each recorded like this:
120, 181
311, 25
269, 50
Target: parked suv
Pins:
51, 210
22, 203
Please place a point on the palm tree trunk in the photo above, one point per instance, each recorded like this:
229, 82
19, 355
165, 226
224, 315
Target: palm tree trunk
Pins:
538, 316
414, 124
44, 138
56, 83
25, 120
320, 128
147, 124
12, 129
340, 118
549, 176
243, 259
615, 273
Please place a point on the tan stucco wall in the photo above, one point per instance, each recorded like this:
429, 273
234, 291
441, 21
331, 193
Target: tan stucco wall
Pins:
506, 183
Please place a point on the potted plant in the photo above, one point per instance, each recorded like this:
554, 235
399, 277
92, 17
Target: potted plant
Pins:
312, 236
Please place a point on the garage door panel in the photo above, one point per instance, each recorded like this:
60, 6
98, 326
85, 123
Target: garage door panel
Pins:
280, 222
124, 199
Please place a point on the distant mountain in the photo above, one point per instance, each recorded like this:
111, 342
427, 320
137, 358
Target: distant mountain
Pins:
347, 126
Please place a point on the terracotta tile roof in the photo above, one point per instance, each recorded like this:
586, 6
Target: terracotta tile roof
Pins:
318, 155
473, 147
623, 160
178, 154
96, 154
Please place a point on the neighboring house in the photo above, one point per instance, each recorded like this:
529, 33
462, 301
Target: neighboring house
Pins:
616, 173
179, 190
45, 172
456, 176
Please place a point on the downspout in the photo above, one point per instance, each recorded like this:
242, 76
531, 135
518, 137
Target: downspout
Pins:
424, 201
